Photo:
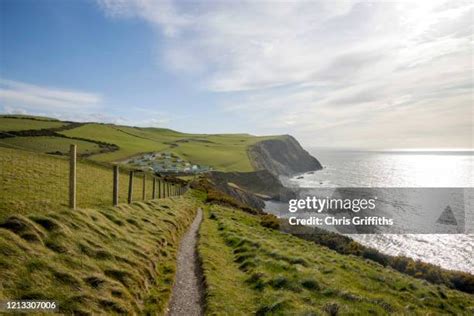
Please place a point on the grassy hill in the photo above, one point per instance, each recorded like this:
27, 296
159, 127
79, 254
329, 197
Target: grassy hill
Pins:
38, 182
8, 123
225, 152
121, 260
264, 272
95, 260
49, 144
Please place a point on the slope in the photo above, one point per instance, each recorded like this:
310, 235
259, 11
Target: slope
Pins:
95, 261
268, 272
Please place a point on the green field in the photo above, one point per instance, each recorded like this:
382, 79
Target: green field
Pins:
129, 145
38, 182
15, 124
250, 269
49, 144
223, 152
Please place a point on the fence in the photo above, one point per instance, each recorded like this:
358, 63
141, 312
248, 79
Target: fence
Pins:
159, 189
41, 183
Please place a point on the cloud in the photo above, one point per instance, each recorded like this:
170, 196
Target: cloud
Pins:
15, 94
162, 13
350, 73
72, 105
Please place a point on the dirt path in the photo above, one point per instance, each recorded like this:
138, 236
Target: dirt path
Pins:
187, 297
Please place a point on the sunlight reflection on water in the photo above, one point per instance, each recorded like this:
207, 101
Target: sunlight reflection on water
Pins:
403, 169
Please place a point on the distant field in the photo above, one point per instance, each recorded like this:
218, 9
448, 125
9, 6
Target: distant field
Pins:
267, 272
48, 144
12, 124
129, 144
37, 182
224, 152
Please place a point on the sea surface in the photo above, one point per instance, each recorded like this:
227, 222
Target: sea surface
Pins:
402, 169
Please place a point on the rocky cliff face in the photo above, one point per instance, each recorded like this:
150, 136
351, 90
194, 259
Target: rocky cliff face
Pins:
282, 156
251, 188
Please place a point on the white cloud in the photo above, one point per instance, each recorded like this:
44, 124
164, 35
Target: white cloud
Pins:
19, 95
348, 73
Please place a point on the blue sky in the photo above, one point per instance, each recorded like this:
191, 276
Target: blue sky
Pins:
72, 45
331, 73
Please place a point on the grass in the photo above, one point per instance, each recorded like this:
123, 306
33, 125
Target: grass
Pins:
17, 124
48, 144
96, 259
269, 272
224, 152
129, 145
220, 285
39, 183
114, 260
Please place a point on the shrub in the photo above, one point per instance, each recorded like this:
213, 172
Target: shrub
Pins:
331, 308
462, 281
270, 221
310, 284
375, 255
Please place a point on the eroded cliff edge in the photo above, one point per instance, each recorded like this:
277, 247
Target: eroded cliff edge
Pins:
282, 156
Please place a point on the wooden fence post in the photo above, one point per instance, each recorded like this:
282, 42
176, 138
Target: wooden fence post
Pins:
115, 193
159, 189
144, 187
130, 188
153, 194
72, 176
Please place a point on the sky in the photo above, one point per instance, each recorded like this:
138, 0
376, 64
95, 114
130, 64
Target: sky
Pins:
338, 74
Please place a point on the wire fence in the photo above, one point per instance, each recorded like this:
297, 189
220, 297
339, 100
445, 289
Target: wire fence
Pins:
32, 181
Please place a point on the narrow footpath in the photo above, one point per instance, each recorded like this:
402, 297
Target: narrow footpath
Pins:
187, 296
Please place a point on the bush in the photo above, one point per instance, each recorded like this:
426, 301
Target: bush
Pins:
375, 255
270, 221
331, 308
462, 281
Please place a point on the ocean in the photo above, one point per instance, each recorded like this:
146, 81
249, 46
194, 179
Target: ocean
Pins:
402, 169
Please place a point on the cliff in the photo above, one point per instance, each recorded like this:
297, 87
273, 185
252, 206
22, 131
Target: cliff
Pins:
282, 156
251, 188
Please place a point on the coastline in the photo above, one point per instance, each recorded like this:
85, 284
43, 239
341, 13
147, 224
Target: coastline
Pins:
449, 251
